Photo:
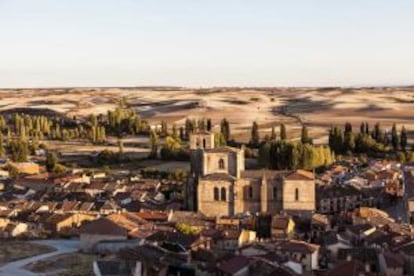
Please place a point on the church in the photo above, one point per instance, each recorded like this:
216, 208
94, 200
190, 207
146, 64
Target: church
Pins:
221, 186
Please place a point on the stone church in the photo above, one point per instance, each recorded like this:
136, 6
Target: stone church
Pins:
221, 186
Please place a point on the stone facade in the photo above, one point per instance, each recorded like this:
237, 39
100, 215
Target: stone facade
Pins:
220, 185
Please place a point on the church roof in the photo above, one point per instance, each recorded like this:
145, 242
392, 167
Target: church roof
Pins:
218, 176
269, 174
300, 175
224, 149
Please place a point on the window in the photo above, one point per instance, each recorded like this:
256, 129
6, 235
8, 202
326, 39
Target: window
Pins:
297, 194
223, 194
216, 194
250, 192
274, 192
204, 143
198, 142
221, 164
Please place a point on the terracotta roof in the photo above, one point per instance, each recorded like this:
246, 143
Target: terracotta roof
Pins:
69, 206
234, 264
153, 215
298, 246
280, 222
347, 268
103, 226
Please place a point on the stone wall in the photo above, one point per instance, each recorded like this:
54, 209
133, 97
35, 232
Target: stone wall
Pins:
206, 203
306, 195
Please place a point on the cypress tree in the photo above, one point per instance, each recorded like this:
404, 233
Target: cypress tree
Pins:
209, 124
394, 137
305, 139
283, 135
51, 161
255, 137
273, 134
403, 140
154, 145
225, 129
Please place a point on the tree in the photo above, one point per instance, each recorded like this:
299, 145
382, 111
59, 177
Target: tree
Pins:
209, 124
225, 129
362, 128
283, 135
120, 146
154, 145
189, 127
2, 149
395, 140
174, 132
273, 134
219, 140
164, 129
305, 139
51, 161
348, 128
403, 139
255, 137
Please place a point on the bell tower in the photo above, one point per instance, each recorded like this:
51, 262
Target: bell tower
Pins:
202, 140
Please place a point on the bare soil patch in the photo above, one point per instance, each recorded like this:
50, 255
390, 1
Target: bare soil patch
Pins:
15, 250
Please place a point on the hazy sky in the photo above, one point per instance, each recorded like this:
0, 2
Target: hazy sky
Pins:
46, 43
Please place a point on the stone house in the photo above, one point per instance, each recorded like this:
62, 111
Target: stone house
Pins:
100, 230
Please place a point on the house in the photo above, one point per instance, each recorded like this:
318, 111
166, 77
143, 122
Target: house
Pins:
334, 199
236, 266
283, 227
153, 216
305, 253
359, 232
65, 223
179, 242
320, 225
136, 226
149, 260
368, 256
349, 268
332, 243
25, 167
391, 264
100, 230
195, 220
15, 229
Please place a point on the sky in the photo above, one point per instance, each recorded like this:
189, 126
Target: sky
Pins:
206, 43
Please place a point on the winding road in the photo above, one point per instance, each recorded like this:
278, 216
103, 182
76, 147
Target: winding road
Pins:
16, 268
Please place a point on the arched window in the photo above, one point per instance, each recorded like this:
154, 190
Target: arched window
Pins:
204, 143
216, 194
274, 192
250, 192
221, 164
223, 194
297, 194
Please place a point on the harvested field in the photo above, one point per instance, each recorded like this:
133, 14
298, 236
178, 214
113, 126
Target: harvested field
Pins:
317, 107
